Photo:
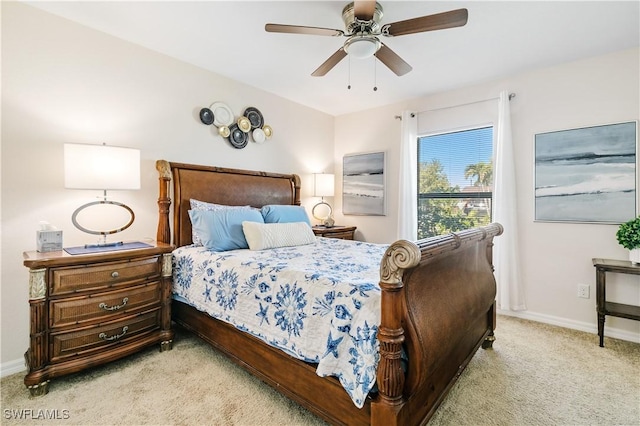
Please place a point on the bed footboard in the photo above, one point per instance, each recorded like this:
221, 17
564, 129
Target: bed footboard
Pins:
438, 305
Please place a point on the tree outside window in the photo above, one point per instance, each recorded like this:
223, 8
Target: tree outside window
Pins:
455, 180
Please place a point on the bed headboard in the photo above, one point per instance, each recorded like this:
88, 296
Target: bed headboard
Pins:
218, 185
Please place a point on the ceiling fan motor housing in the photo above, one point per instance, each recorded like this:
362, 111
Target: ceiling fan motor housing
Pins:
353, 25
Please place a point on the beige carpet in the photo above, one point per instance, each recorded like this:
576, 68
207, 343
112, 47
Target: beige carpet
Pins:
535, 375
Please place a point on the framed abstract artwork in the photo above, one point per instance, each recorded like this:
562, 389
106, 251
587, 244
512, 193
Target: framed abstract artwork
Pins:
587, 174
363, 184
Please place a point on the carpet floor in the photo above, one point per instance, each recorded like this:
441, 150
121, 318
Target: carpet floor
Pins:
535, 374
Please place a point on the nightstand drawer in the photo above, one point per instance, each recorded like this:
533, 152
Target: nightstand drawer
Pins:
339, 235
105, 275
91, 339
79, 310
340, 232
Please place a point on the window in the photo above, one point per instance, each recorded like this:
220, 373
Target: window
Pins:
455, 180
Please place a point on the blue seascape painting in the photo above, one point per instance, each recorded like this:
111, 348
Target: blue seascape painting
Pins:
587, 174
363, 184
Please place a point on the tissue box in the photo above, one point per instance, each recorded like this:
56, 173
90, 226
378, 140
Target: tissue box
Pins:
49, 241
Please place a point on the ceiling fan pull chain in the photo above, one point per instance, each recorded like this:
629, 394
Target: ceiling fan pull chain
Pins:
349, 75
375, 76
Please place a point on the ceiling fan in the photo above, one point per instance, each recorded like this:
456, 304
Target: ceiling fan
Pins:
362, 24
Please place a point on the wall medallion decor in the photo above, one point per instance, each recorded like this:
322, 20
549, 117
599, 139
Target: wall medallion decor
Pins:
248, 126
237, 137
223, 116
255, 117
244, 124
224, 131
206, 116
363, 184
586, 174
259, 135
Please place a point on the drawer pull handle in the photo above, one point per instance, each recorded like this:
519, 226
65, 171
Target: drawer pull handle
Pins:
115, 274
104, 336
115, 307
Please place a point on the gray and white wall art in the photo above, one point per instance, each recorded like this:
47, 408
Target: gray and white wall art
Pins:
586, 174
363, 184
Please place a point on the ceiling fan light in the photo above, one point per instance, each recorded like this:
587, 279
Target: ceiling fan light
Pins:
362, 47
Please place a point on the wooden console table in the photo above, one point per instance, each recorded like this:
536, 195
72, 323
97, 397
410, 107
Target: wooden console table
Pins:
610, 308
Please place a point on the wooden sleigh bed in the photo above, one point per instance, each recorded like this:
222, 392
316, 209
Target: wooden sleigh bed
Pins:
437, 305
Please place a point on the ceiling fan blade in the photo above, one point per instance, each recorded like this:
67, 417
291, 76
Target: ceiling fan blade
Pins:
439, 21
330, 63
394, 62
299, 29
364, 9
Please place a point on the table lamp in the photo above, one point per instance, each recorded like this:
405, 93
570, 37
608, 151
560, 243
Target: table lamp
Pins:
323, 186
104, 168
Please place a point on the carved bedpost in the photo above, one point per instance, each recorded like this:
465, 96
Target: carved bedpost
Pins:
488, 342
296, 190
499, 229
164, 202
400, 256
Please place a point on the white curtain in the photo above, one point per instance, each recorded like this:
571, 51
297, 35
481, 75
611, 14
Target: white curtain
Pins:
408, 185
505, 252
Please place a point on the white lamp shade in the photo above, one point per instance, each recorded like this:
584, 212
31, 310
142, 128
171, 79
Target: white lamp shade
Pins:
323, 185
101, 167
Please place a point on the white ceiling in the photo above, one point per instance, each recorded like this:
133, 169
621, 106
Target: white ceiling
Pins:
228, 37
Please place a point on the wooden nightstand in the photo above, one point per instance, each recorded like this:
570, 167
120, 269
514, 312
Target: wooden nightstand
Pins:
341, 232
91, 309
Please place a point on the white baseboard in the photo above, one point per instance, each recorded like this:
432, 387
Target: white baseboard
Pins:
616, 333
12, 367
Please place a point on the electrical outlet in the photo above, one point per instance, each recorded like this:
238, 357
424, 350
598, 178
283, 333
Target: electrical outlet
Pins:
583, 291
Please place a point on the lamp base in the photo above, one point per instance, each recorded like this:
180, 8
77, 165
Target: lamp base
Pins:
102, 245
329, 222
114, 244
98, 248
322, 211
74, 217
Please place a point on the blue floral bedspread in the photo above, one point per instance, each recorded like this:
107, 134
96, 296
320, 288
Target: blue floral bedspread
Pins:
319, 303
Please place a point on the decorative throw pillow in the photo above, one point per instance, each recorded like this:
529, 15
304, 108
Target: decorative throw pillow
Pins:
221, 230
275, 213
262, 236
203, 205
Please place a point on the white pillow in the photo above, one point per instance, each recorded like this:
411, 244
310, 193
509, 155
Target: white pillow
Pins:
262, 236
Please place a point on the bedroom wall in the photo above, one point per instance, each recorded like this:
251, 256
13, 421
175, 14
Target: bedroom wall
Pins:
555, 257
62, 82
